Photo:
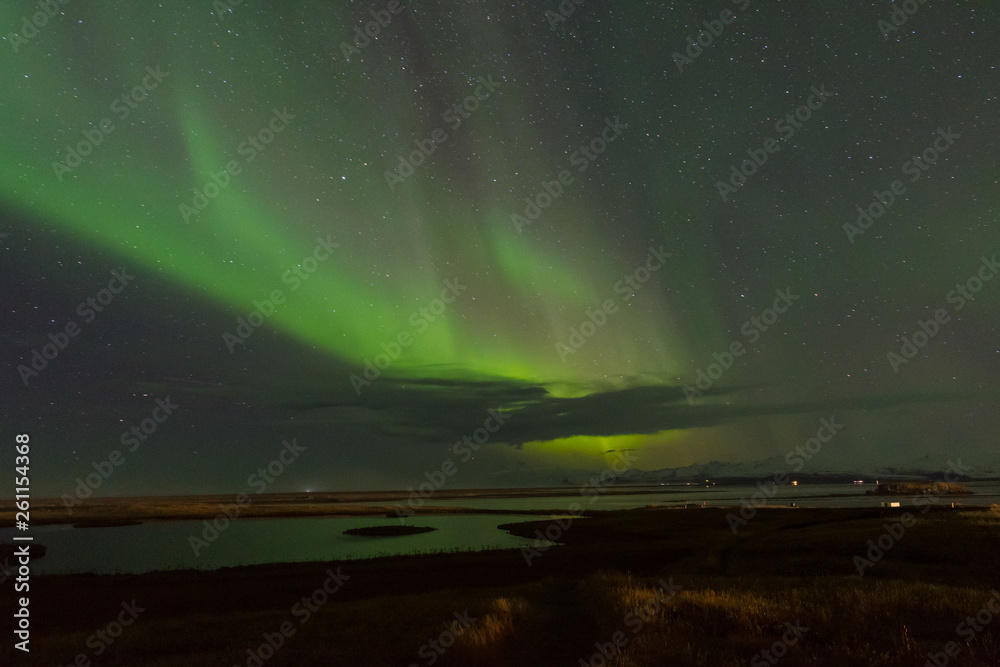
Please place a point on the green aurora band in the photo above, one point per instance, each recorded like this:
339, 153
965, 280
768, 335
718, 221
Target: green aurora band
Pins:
350, 114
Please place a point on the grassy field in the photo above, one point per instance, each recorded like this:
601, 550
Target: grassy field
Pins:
103, 511
918, 488
640, 587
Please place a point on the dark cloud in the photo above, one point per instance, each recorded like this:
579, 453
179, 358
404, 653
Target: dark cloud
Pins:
436, 410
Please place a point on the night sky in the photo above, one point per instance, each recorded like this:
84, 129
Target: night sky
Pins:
521, 211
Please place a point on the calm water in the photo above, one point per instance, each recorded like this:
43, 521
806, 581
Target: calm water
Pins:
164, 545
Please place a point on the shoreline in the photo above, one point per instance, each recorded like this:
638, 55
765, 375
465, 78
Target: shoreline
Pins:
131, 510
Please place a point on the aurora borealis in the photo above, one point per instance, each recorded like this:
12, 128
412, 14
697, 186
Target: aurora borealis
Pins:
368, 240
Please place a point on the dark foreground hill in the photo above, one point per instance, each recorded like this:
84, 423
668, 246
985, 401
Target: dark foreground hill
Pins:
641, 587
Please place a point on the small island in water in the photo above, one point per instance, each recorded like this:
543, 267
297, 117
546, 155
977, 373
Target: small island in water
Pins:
918, 488
388, 531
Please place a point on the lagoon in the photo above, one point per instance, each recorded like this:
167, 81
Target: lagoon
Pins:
166, 545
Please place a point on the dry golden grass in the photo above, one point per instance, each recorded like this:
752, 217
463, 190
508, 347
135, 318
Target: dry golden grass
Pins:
492, 634
990, 518
495, 627
922, 488
848, 618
